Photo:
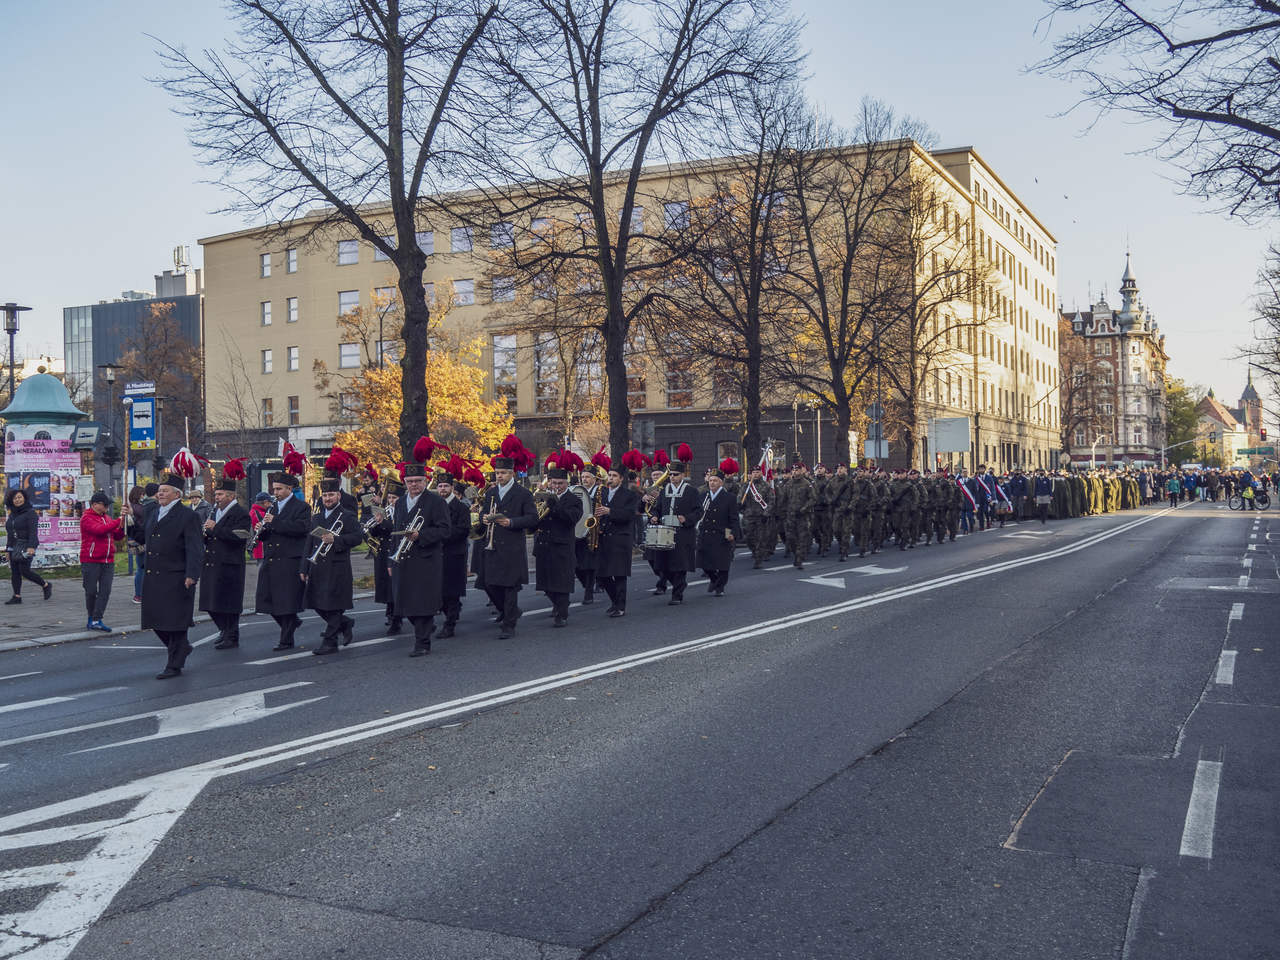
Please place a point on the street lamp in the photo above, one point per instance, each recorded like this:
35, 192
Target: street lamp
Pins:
11, 311
109, 375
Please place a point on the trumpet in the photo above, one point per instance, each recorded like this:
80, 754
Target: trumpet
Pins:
366, 528
414, 526
323, 547
493, 526
542, 501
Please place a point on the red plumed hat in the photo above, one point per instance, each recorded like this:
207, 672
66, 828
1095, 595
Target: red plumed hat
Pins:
234, 469
370, 472
294, 462
553, 460
729, 465
340, 461
633, 460
425, 447
684, 453
602, 459
511, 445
472, 475
186, 464
570, 460
400, 468
660, 457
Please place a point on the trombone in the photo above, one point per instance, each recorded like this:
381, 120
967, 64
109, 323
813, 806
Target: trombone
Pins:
414, 526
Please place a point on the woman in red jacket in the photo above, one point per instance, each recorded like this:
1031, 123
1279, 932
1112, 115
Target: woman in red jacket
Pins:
261, 503
98, 535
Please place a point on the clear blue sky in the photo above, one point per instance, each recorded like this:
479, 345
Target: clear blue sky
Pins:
100, 185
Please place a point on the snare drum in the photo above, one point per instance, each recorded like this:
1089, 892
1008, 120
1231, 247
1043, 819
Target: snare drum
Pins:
659, 538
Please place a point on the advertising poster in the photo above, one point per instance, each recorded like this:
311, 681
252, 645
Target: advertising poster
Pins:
46, 471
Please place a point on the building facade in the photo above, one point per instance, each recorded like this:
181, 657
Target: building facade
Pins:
272, 307
1113, 389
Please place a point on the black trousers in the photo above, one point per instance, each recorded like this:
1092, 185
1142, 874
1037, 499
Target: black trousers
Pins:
505, 600
20, 570
289, 624
1043, 510
334, 622
452, 608
228, 625
588, 580
423, 627
175, 642
678, 579
718, 579
616, 588
97, 579
559, 605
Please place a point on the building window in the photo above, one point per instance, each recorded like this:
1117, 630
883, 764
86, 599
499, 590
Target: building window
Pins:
728, 448
294, 416
546, 375
637, 387
502, 236
427, 242
679, 383
348, 252
429, 291
1102, 348
637, 220
384, 299
291, 260
504, 289
504, 370
464, 293
675, 215
292, 358
264, 265
267, 416
347, 408
378, 255
540, 224
348, 300
460, 239
725, 389
266, 361
348, 356
1106, 409
264, 313
292, 307
389, 351
1137, 438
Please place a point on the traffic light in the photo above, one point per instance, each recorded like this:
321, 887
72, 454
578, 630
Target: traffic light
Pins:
1263, 433
1213, 436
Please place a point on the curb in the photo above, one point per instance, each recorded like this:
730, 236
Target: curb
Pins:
7, 645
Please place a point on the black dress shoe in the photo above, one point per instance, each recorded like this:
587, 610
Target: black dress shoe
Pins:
348, 630
445, 632
659, 591
394, 626
587, 598
420, 649
48, 590
506, 633
612, 608
674, 602
168, 673
618, 613
12, 600
283, 646
559, 622
325, 649
226, 645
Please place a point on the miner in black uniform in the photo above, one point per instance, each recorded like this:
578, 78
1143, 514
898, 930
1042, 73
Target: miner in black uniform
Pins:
173, 552
222, 583
419, 575
284, 540
616, 514
453, 579
679, 505
553, 551
719, 531
587, 549
507, 511
328, 575
383, 587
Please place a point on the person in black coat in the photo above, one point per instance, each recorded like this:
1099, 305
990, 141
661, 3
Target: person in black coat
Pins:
328, 576
679, 505
418, 573
226, 531
553, 552
284, 541
173, 554
509, 511
584, 556
718, 533
23, 536
616, 514
453, 577
383, 582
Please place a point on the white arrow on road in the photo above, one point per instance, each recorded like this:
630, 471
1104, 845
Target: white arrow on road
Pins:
187, 718
836, 579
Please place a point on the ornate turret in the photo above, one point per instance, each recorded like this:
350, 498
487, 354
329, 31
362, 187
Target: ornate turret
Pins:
1129, 291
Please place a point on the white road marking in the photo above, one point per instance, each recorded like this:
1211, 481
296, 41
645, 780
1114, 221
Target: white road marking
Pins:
47, 701
187, 718
1237, 612
307, 653
1253, 536
51, 930
1246, 563
825, 580
1252, 546
15, 676
1226, 674
836, 577
127, 646
1243, 581
1202, 810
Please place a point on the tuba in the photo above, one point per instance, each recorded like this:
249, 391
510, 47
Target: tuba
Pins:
588, 521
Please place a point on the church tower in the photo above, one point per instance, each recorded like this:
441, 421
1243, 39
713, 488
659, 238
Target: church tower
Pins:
1251, 403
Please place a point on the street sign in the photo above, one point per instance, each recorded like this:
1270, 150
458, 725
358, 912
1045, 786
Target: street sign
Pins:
142, 424
875, 449
875, 411
949, 434
1256, 452
139, 388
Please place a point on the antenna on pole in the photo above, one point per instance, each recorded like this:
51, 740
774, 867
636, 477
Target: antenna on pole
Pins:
181, 258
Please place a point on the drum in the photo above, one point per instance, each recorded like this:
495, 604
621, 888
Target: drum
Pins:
659, 537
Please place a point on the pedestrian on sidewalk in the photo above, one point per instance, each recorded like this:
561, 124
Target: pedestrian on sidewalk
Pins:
1174, 488
22, 537
99, 532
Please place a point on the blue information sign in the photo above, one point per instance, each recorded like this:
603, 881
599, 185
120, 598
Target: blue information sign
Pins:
142, 424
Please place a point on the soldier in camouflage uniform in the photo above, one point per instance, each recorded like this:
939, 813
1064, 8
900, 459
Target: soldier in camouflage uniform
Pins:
797, 513
757, 512
880, 509
822, 525
840, 494
903, 503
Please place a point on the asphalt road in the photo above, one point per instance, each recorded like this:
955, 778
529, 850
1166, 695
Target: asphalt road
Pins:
1048, 742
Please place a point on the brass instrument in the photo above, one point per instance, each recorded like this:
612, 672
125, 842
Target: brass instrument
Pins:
493, 526
587, 520
477, 523
593, 528
655, 491
542, 501
414, 526
323, 547
366, 528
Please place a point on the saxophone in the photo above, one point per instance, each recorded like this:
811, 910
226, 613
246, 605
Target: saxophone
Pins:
593, 528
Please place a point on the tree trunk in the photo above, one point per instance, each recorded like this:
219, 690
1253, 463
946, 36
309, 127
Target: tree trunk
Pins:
413, 365
751, 441
615, 369
843, 417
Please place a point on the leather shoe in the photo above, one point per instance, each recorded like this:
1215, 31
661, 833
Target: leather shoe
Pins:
394, 626
348, 630
719, 593
674, 602
168, 673
283, 646
325, 648
618, 613
506, 634
226, 645
445, 632
587, 598
611, 610
559, 622
420, 649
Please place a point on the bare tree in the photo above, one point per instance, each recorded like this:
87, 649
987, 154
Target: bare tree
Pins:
1079, 394
353, 104
159, 352
1207, 71
609, 86
239, 404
